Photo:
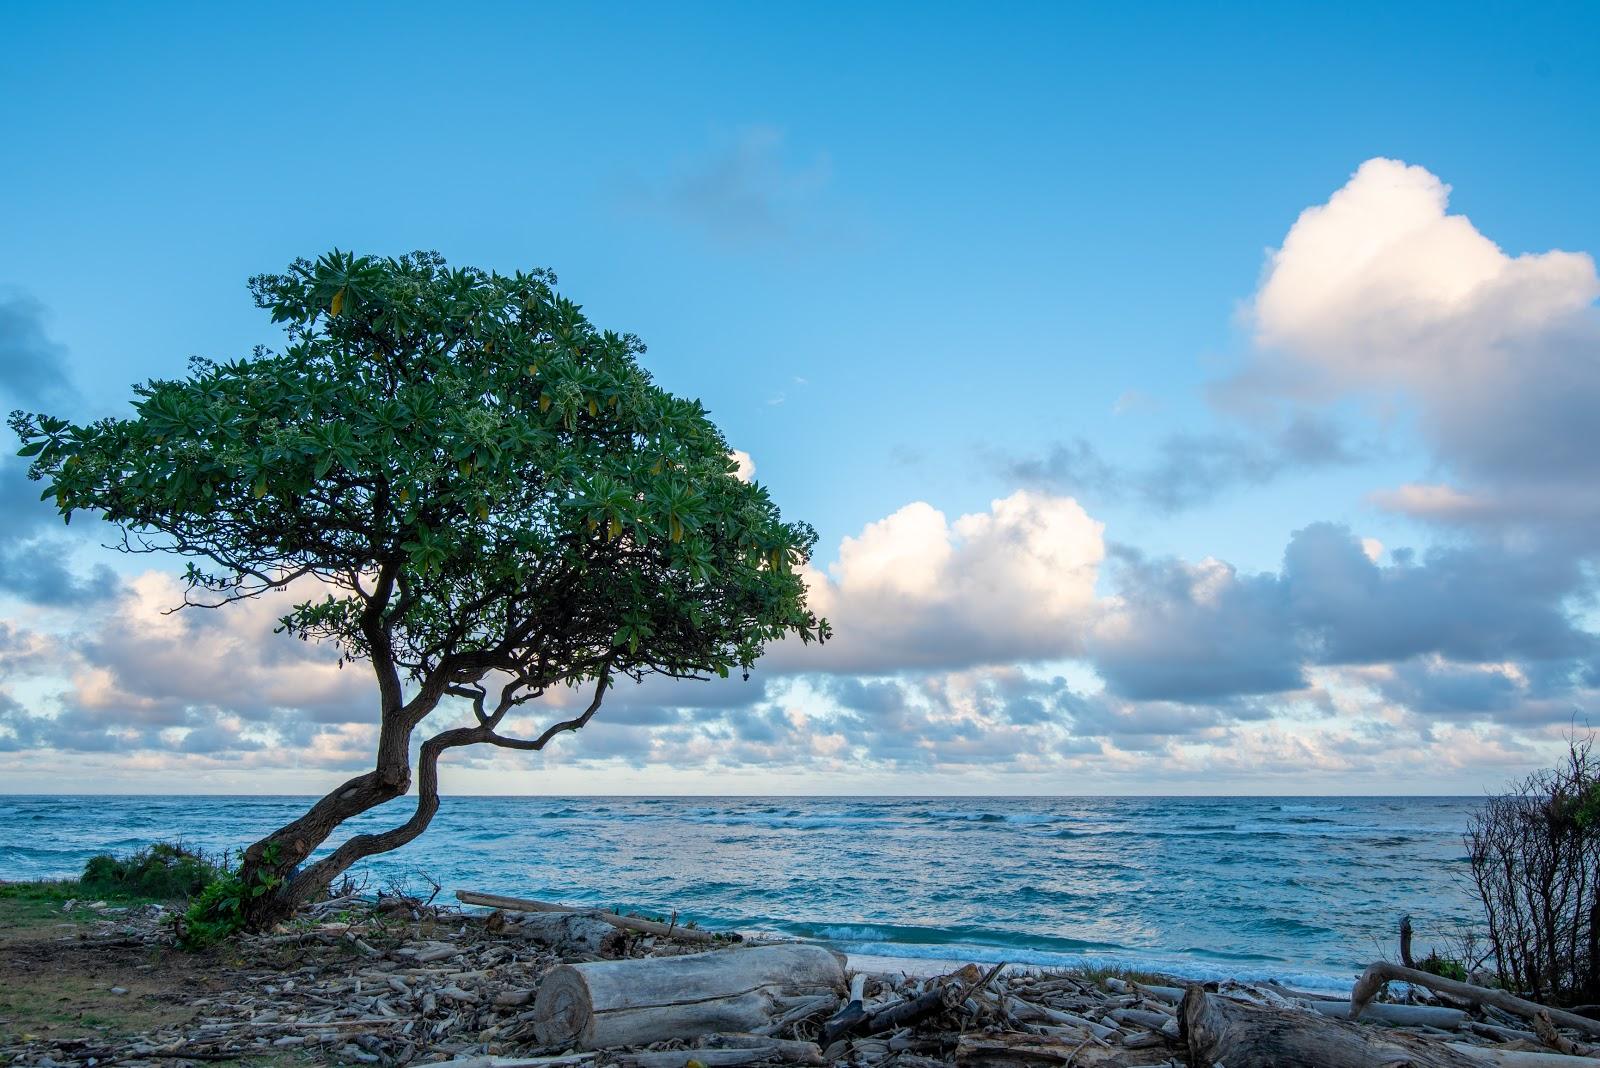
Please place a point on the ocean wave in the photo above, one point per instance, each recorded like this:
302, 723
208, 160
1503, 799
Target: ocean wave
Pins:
784, 822
904, 934
1018, 818
1288, 925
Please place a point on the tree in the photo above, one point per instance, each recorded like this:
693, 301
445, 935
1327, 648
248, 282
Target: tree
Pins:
494, 501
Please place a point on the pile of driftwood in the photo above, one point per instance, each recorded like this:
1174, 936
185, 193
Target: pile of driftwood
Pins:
399, 982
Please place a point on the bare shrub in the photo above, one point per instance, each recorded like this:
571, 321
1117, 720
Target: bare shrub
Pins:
1535, 854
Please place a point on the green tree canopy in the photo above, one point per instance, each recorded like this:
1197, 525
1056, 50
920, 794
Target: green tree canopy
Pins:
496, 498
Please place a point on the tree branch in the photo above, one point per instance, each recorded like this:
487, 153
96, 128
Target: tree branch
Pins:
317, 875
477, 695
572, 724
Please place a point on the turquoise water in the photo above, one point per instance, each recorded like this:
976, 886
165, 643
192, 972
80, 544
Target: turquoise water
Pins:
1308, 890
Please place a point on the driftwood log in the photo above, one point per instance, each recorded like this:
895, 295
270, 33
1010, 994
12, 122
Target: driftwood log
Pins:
1220, 1031
571, 934
638, 1001
723, 1051
629, 923
1377, 1012
878, 1019
1373, 979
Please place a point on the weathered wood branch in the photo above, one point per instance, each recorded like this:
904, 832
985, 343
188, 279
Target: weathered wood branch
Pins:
1373, 979
1377, 1012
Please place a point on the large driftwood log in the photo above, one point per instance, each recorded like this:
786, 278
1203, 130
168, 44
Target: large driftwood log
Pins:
1217, 1030
633, 1002
1373, 978
631, 923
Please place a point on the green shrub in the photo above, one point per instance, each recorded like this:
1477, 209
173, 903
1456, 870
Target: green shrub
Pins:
163, 872
219, 910
1444, 967
217, 913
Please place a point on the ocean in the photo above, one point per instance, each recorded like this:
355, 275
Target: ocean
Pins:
1307, 890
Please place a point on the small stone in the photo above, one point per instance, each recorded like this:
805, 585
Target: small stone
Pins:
119, 990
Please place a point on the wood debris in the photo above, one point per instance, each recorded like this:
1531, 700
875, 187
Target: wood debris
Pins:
401, 982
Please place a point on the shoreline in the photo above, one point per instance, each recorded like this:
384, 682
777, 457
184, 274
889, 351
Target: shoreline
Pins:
1286, 888
401, 981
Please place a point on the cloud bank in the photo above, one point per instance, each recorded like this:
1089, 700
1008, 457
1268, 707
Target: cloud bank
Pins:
1017, 640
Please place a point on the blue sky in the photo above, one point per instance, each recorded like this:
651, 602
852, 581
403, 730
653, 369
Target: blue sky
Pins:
930, 253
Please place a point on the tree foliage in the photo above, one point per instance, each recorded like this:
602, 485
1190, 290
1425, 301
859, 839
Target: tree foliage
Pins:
490, 490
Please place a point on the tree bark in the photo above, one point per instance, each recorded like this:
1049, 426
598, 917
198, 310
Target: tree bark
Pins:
279, 854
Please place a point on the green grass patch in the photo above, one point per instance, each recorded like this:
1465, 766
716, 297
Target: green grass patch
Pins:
35, 903
1099, 973
1444, 967
163, 873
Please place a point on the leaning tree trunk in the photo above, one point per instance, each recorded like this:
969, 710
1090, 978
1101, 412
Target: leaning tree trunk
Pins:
275, 862
278, 860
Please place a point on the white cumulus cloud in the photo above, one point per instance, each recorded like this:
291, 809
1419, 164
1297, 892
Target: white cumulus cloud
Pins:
1015, 582
1382, 294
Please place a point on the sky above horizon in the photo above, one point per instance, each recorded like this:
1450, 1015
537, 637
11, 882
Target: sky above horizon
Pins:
1187, 400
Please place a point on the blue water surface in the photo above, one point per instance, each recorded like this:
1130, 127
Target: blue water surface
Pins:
1307, 890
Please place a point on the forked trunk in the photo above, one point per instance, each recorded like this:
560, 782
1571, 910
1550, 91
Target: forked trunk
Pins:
274, 864
276, 860
275, 883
